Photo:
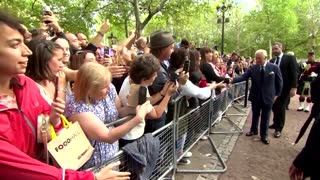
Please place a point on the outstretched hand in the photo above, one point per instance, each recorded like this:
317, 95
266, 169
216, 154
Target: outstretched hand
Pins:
117, 71
108, 173
52, 22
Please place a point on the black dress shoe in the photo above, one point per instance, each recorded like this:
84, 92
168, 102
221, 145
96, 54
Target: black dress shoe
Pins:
277, 134
265, 140
272, 126
251, 133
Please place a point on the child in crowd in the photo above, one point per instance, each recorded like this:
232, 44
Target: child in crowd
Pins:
143, 71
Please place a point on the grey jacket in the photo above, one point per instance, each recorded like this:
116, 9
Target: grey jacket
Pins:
143, 155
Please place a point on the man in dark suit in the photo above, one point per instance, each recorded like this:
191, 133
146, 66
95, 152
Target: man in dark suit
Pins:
287, 64
266, 84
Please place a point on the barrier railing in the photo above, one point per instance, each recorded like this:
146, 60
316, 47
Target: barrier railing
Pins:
184, 131
229, 98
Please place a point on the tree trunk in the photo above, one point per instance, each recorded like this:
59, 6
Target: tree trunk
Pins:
126, 27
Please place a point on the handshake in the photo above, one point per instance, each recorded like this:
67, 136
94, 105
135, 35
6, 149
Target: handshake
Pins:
221, 84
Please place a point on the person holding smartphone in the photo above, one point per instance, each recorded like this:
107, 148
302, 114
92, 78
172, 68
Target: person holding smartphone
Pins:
143, 71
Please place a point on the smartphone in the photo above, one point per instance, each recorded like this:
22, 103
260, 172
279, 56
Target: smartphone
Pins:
102, 51
186, 66
142, 95
109, 52
46, 11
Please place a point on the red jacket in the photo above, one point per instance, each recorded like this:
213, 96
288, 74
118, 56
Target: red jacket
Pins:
18, 147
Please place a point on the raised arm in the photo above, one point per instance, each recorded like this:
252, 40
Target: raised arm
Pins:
70, 74
99, 37
242, 77
94, 128
129, 41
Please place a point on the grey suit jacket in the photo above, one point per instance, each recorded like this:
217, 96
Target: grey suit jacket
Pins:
272, 83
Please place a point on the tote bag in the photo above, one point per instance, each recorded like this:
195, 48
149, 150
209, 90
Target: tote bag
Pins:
71, 149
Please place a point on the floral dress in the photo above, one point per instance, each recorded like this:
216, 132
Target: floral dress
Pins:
107, 112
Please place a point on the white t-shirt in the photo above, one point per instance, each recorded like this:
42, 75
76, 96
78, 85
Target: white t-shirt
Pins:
137, 131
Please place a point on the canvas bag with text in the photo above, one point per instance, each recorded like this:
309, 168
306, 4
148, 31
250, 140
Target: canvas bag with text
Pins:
71, 149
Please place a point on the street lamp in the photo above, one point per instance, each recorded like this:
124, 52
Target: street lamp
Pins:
222, 18
112, 38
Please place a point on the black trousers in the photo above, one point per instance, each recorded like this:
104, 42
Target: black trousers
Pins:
265, 111
279, 110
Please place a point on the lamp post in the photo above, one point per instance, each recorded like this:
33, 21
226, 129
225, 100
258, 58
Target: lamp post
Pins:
112, 38
222, 18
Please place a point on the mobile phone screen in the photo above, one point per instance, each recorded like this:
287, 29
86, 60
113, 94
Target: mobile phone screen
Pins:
186, 66
110, 52
101, 52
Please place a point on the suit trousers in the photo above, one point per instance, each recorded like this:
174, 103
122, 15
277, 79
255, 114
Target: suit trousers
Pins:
279, 110
258, 108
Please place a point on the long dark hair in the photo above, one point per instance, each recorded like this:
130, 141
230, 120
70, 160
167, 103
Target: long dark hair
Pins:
203, 52
14, 23
177, 58
194, 56
11, 21
42, 53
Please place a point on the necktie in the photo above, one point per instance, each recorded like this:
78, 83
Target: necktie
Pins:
277, 60
261, 74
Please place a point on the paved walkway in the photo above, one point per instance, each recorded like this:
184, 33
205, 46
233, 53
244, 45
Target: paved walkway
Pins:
246, 157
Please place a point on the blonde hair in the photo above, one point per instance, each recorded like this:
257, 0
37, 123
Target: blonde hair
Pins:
90, 78
262, 52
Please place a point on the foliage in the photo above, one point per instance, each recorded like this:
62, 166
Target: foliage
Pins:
295, 23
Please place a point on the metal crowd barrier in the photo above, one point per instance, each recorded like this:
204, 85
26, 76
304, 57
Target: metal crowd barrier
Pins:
183, 132
227, 99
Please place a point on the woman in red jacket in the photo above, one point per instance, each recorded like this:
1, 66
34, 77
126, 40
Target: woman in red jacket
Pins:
20, 105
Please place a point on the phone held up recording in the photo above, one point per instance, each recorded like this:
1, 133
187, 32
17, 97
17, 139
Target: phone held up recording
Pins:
106, 52
46, 11
186, 65
173, 76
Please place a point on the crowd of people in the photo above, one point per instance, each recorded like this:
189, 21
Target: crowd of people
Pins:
48, 71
